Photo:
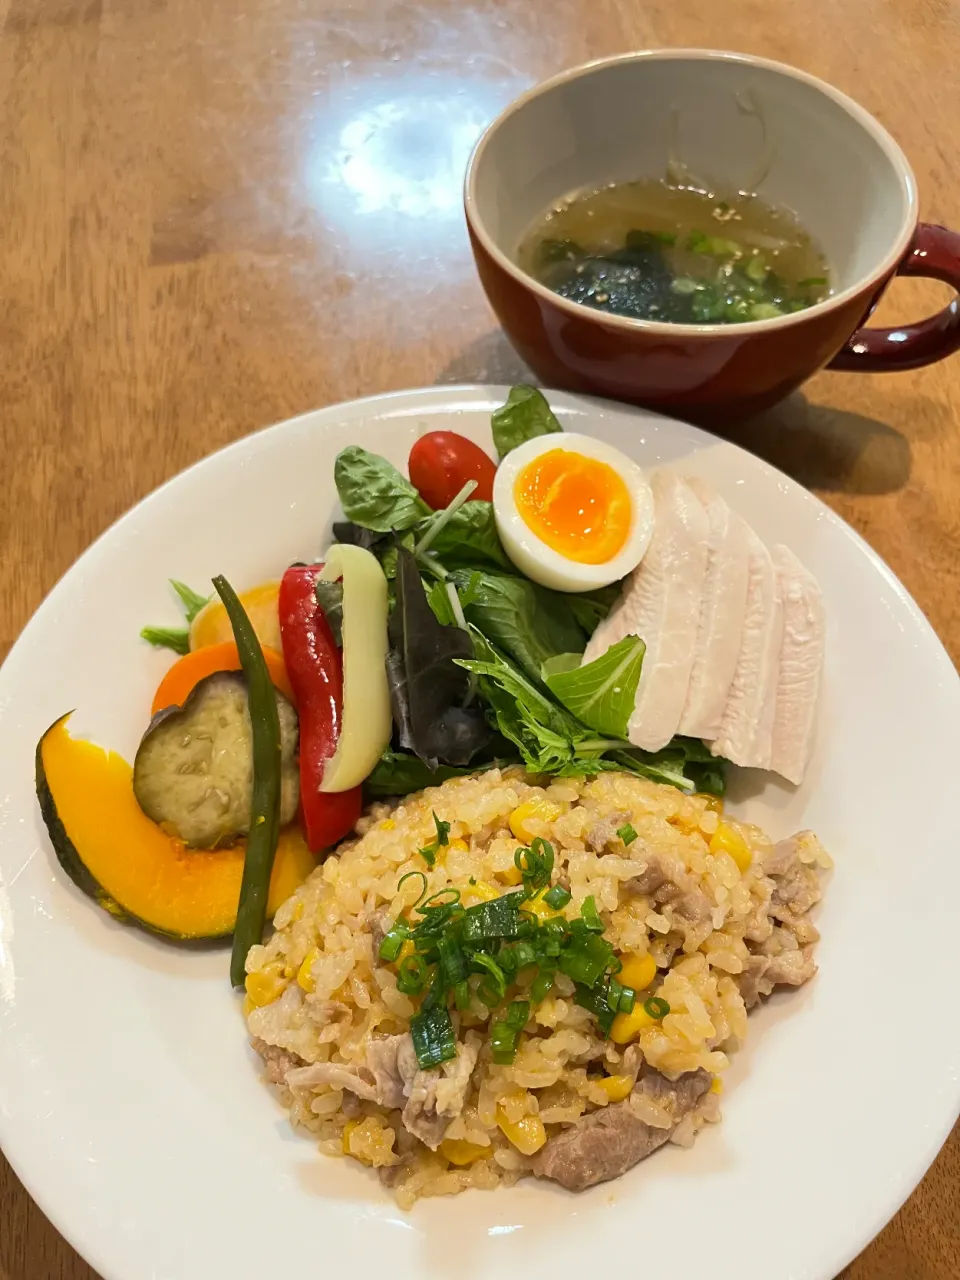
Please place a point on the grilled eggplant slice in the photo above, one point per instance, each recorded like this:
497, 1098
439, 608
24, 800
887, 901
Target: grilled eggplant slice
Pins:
193, 773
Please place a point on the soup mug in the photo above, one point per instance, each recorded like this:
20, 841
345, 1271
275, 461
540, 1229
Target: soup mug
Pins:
731, 122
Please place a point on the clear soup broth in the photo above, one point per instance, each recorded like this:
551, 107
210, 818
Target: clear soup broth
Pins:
672, 253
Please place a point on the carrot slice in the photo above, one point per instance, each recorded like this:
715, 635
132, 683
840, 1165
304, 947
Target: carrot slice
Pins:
180, 681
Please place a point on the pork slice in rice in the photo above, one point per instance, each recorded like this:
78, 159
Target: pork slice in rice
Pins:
604, 1144
435, 1097
276, 1061
334, 1075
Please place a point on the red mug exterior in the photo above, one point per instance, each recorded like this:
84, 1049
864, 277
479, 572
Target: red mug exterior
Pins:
824, 156
724, 375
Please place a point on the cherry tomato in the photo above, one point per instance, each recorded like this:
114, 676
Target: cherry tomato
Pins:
442, 462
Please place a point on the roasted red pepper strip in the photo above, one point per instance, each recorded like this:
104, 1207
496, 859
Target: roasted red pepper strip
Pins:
315, 668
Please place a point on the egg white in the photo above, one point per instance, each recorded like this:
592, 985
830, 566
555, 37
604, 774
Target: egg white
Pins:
543, 564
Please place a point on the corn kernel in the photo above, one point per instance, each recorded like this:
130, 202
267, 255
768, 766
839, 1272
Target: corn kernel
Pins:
407, 949
369, 1141
460, 845
266, 985
511, 876
627, 1026
305, 978
348, 1128
248, 1006
460, 1152
638, 971
483, 891
726, 840
527, 1134
288, 971
542, 910
298, 911
616, 1087
716, 1085
540, 810
387, 824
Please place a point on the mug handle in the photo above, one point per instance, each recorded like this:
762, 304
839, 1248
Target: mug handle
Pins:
934, 254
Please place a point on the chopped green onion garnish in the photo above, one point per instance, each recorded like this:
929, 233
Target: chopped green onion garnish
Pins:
407, 877
442, 898
461, 996
517, 1014
811, 280
433, 1038
495, 977
585, 958
628, 998
497, 919
627, 833
393, 941
656, 1008
597, 1002
503, 1043
590, 915
453, 963
412, 976
535, 864
557, 897
541, 986
429, 851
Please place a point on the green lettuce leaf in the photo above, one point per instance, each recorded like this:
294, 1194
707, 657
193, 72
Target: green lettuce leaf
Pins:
525, 416
601, 693
374, 494
529, 623
469, 539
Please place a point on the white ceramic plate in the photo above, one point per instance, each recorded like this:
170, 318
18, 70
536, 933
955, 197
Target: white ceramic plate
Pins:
130, 1103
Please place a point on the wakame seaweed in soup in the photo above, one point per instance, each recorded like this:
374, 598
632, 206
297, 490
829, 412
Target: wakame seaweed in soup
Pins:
670, 253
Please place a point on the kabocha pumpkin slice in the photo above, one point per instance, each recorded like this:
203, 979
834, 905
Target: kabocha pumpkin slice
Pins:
128, 864
193, 772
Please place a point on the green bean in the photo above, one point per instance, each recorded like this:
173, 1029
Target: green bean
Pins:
265, 806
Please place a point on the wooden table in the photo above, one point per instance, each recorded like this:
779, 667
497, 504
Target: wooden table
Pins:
215, 215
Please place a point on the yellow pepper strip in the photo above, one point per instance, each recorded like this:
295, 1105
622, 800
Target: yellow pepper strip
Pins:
527, 1134
637, 971
726, 840
460, 1152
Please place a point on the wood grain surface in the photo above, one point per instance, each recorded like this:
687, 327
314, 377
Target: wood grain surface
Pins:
216, 214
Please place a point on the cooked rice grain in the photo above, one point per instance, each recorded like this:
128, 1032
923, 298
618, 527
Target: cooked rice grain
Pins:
723, 936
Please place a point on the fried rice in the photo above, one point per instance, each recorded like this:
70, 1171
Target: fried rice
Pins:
723, 911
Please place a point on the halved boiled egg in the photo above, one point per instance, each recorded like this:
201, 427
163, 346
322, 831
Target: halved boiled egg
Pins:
572, 512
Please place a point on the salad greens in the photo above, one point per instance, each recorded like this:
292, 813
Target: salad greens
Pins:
525, 416
177, 638
374, 494
485, 666
602, 693
528, 622
428, 689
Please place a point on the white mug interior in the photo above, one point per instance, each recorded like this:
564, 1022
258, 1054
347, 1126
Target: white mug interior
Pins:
726, 120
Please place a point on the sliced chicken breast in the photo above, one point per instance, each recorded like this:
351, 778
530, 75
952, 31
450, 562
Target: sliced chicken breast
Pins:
800, 668
723, 607
660, 603
746, 728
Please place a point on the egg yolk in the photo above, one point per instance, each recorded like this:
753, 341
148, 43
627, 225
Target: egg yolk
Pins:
578, 506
